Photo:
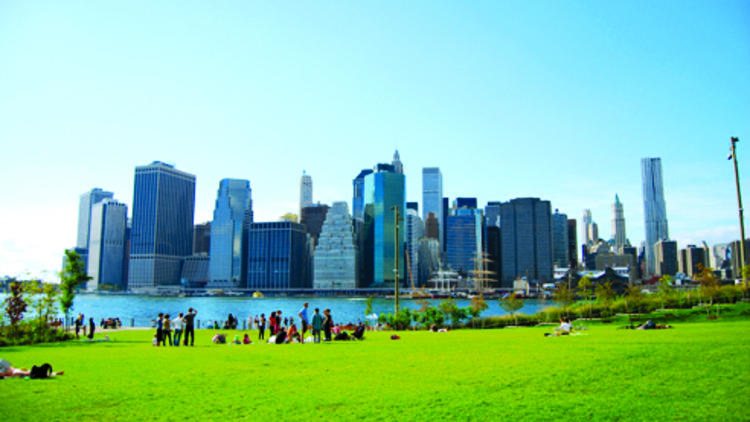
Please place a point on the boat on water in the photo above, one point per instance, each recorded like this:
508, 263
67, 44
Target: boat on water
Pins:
257, 294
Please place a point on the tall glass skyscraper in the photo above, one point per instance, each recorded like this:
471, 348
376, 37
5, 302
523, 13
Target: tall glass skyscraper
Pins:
107, 241
464, 239
432, 196
87, 201
654, 208
526, 238
383, 190
358, 195
162, 232
232, 217
277, 256
414, 232
560, 253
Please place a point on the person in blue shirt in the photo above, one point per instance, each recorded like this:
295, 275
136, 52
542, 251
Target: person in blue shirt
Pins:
304, 318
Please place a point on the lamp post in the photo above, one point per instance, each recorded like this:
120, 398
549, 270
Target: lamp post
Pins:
734, 141
395, 245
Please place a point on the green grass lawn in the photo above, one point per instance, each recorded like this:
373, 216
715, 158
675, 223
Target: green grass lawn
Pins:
697, 371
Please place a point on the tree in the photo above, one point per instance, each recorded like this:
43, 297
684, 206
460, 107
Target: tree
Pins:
71, 277
709, 287
15, 306
42, 298
633, 297
563, 294
290, 217
476, 307
605, 292
368, 309
449, 308
511, 304
585, 290
666, 290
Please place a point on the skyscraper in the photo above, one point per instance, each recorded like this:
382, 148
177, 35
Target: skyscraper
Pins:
526, 240
588, 231
305, 191
358, 195
464, 239
202, 239
398, 166
87, 201
432, 196
665, 257
572, 242
312, 218
560, 252
107, 240
383, 190
414, 232
654, 208
162, 233
232, 216
277, 256
618, 225
336, 254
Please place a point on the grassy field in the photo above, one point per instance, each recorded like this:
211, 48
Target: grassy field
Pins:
697, 371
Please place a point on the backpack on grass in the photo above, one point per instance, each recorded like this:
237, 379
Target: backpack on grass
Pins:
41, 372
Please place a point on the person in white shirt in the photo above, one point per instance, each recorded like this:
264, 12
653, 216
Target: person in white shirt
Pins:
179, 325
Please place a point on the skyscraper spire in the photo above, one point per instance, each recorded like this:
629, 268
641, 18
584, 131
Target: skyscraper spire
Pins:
397, 164
305, 191
618, 225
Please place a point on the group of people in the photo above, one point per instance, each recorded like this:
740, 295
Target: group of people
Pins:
181, 325
110, 323
80, 322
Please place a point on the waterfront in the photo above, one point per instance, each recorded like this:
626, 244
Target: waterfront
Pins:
142, 309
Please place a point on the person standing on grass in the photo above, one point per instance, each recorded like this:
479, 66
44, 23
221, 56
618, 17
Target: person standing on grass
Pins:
179, 325
79, 323
262, 327
92, 328
189, 327
159, 329
167, 330
327, 324
278, 321
317, 324
272, 324
304, 321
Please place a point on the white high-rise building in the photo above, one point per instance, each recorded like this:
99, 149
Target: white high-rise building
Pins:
305, 192
335, 257
587, 227
107, 242
87, 202
618, 225
432, 197
414, 232
654, 208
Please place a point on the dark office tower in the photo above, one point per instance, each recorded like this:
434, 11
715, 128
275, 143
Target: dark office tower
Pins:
654, 209
573, 243
412, 206
492, 214
398, 166
202, 238
358, 195
87, 201
384, 190
107, 241
665, 256
560, 256
431, 230
232, 216
464, 238
492, 247
162, 234
526, 240
693, 256
470, 203
735, 251
277, 256
313, 218
444, 222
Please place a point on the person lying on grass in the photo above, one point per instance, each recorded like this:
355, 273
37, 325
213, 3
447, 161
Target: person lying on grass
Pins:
8, 371
649, 325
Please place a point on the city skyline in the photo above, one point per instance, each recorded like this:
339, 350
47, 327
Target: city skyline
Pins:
535, 100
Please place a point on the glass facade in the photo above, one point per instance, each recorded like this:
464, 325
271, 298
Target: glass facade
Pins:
526, 240
232, 216
414, 232
560, 256
87, 201
162, 231
432, 196
107, 241
464, 240
383, 190
277, 256
358, 195
305, 192
654, 209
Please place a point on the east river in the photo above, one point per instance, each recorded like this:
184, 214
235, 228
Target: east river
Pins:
140, 310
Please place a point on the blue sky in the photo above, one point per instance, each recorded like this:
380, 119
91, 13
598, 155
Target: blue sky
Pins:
558, 100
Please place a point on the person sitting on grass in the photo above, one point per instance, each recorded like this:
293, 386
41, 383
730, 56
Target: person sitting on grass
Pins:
292, 331
246, 339
281, 336
8, 371
563, 329
219, 339
237, 339
359, 332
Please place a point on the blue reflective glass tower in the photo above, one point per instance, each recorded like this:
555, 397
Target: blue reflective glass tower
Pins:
162, 232
358, 195
464, 239
232, 216
383, 190
277, 256
107, 242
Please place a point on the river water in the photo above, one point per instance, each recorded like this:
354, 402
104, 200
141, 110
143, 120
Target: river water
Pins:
140, 310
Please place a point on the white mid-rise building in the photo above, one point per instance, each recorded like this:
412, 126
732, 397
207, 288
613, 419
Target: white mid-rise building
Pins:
335, 256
